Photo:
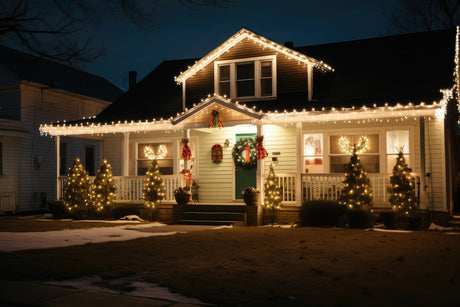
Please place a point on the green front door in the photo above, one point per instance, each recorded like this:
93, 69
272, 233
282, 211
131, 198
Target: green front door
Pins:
244, 177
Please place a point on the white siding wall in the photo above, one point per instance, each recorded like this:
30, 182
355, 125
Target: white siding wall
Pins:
282, 140
39, 106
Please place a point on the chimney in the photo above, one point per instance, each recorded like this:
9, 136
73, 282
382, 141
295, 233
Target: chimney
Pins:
289, 44
132, 79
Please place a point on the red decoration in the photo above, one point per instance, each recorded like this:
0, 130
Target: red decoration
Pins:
261, 152
186, 152
215, 121
248, 154
217, 153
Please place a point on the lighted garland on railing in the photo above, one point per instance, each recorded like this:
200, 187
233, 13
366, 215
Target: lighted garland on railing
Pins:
245, 153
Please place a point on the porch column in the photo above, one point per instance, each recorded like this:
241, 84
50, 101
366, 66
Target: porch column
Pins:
298, 177
260, 169
125, 155
58, 166
187, 136
310, 81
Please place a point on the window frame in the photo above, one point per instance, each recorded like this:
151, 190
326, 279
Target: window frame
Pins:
257, 76
154, 141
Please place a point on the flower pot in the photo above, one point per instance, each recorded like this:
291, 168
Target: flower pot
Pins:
251, 199
182, 198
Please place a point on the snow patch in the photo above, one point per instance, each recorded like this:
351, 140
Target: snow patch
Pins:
14, 241
433, 226
222, 227
390, 230
126, 286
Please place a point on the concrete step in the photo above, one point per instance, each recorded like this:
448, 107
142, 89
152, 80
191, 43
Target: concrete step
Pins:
215, 208
209, 222
215, 216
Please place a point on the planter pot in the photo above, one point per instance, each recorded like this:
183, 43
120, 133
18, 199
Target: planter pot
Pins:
182, 198
251, 199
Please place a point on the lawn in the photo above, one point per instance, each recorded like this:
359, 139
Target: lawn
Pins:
249, 266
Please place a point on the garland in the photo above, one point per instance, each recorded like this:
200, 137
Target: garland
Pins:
186, 152
215, 121
245, 153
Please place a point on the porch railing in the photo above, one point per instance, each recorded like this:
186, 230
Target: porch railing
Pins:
129, 188
287, 185
328, 186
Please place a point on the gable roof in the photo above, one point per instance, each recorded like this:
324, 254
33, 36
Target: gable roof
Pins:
27, 67
264, 42
378, 71
217, 100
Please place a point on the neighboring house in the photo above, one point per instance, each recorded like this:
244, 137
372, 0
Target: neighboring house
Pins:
398, 91
33, 91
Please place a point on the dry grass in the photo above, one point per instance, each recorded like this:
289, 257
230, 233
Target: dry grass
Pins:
248, 266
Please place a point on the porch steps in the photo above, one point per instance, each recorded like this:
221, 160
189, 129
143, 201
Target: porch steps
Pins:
213, 215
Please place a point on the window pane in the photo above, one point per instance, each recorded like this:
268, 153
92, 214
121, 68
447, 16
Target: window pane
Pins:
396, 140
266, 69
313, 144
166, 166
266, 87
224, 88
391, 161
373, 143
245, 88
245, 71
370, 163
150, 151
224, 73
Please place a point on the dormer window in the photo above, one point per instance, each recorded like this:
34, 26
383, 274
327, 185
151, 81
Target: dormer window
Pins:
246, 78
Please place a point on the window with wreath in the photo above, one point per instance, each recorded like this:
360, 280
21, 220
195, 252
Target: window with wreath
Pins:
163, 152
370, 158
396, 140
246, 78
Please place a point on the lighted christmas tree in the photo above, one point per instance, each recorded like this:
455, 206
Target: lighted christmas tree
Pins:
104, 187
357, 191
77, 190
154, 189
272, 195
402, 187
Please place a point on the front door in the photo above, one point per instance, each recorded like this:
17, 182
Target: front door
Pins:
244, 177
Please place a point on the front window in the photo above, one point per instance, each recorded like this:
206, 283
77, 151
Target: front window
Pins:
397, 140
313, 153
246, 78
163, 152
339, 157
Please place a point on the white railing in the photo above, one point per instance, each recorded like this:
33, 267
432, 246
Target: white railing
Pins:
129, 188
328, 186
287, 185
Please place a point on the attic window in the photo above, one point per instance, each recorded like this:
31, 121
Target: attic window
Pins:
246, 78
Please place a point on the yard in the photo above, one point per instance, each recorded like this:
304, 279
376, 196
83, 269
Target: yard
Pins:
253, 266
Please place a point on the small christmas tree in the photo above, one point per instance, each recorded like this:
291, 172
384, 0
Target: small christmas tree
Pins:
104, 188
402, 187
154, 189
77, 190
357, 191
272, 195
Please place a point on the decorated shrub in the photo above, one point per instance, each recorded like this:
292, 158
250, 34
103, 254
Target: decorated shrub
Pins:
322, 213
103, 192
272, 196
154, 189
77, 192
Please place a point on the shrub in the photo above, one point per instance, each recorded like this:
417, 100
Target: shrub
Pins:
322, 213
358, 218
58, 209
388, 219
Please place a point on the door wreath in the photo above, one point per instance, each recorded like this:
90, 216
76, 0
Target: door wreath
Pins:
245, 153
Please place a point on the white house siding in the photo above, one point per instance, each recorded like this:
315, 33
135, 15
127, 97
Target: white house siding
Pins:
216, 180
282, 140
112, 152
8, 179
37, 181
434, 142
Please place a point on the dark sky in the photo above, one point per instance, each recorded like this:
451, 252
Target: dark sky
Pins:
187, 33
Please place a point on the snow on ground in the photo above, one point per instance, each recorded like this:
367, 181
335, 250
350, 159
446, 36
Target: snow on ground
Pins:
126, 286
14, 241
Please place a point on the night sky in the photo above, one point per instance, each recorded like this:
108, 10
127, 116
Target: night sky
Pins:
187, 33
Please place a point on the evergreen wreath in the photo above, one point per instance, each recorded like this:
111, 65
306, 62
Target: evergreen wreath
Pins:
240, 156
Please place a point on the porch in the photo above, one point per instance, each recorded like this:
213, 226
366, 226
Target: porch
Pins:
313, 187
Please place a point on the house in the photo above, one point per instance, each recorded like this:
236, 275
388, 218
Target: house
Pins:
33, 91
397, 91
